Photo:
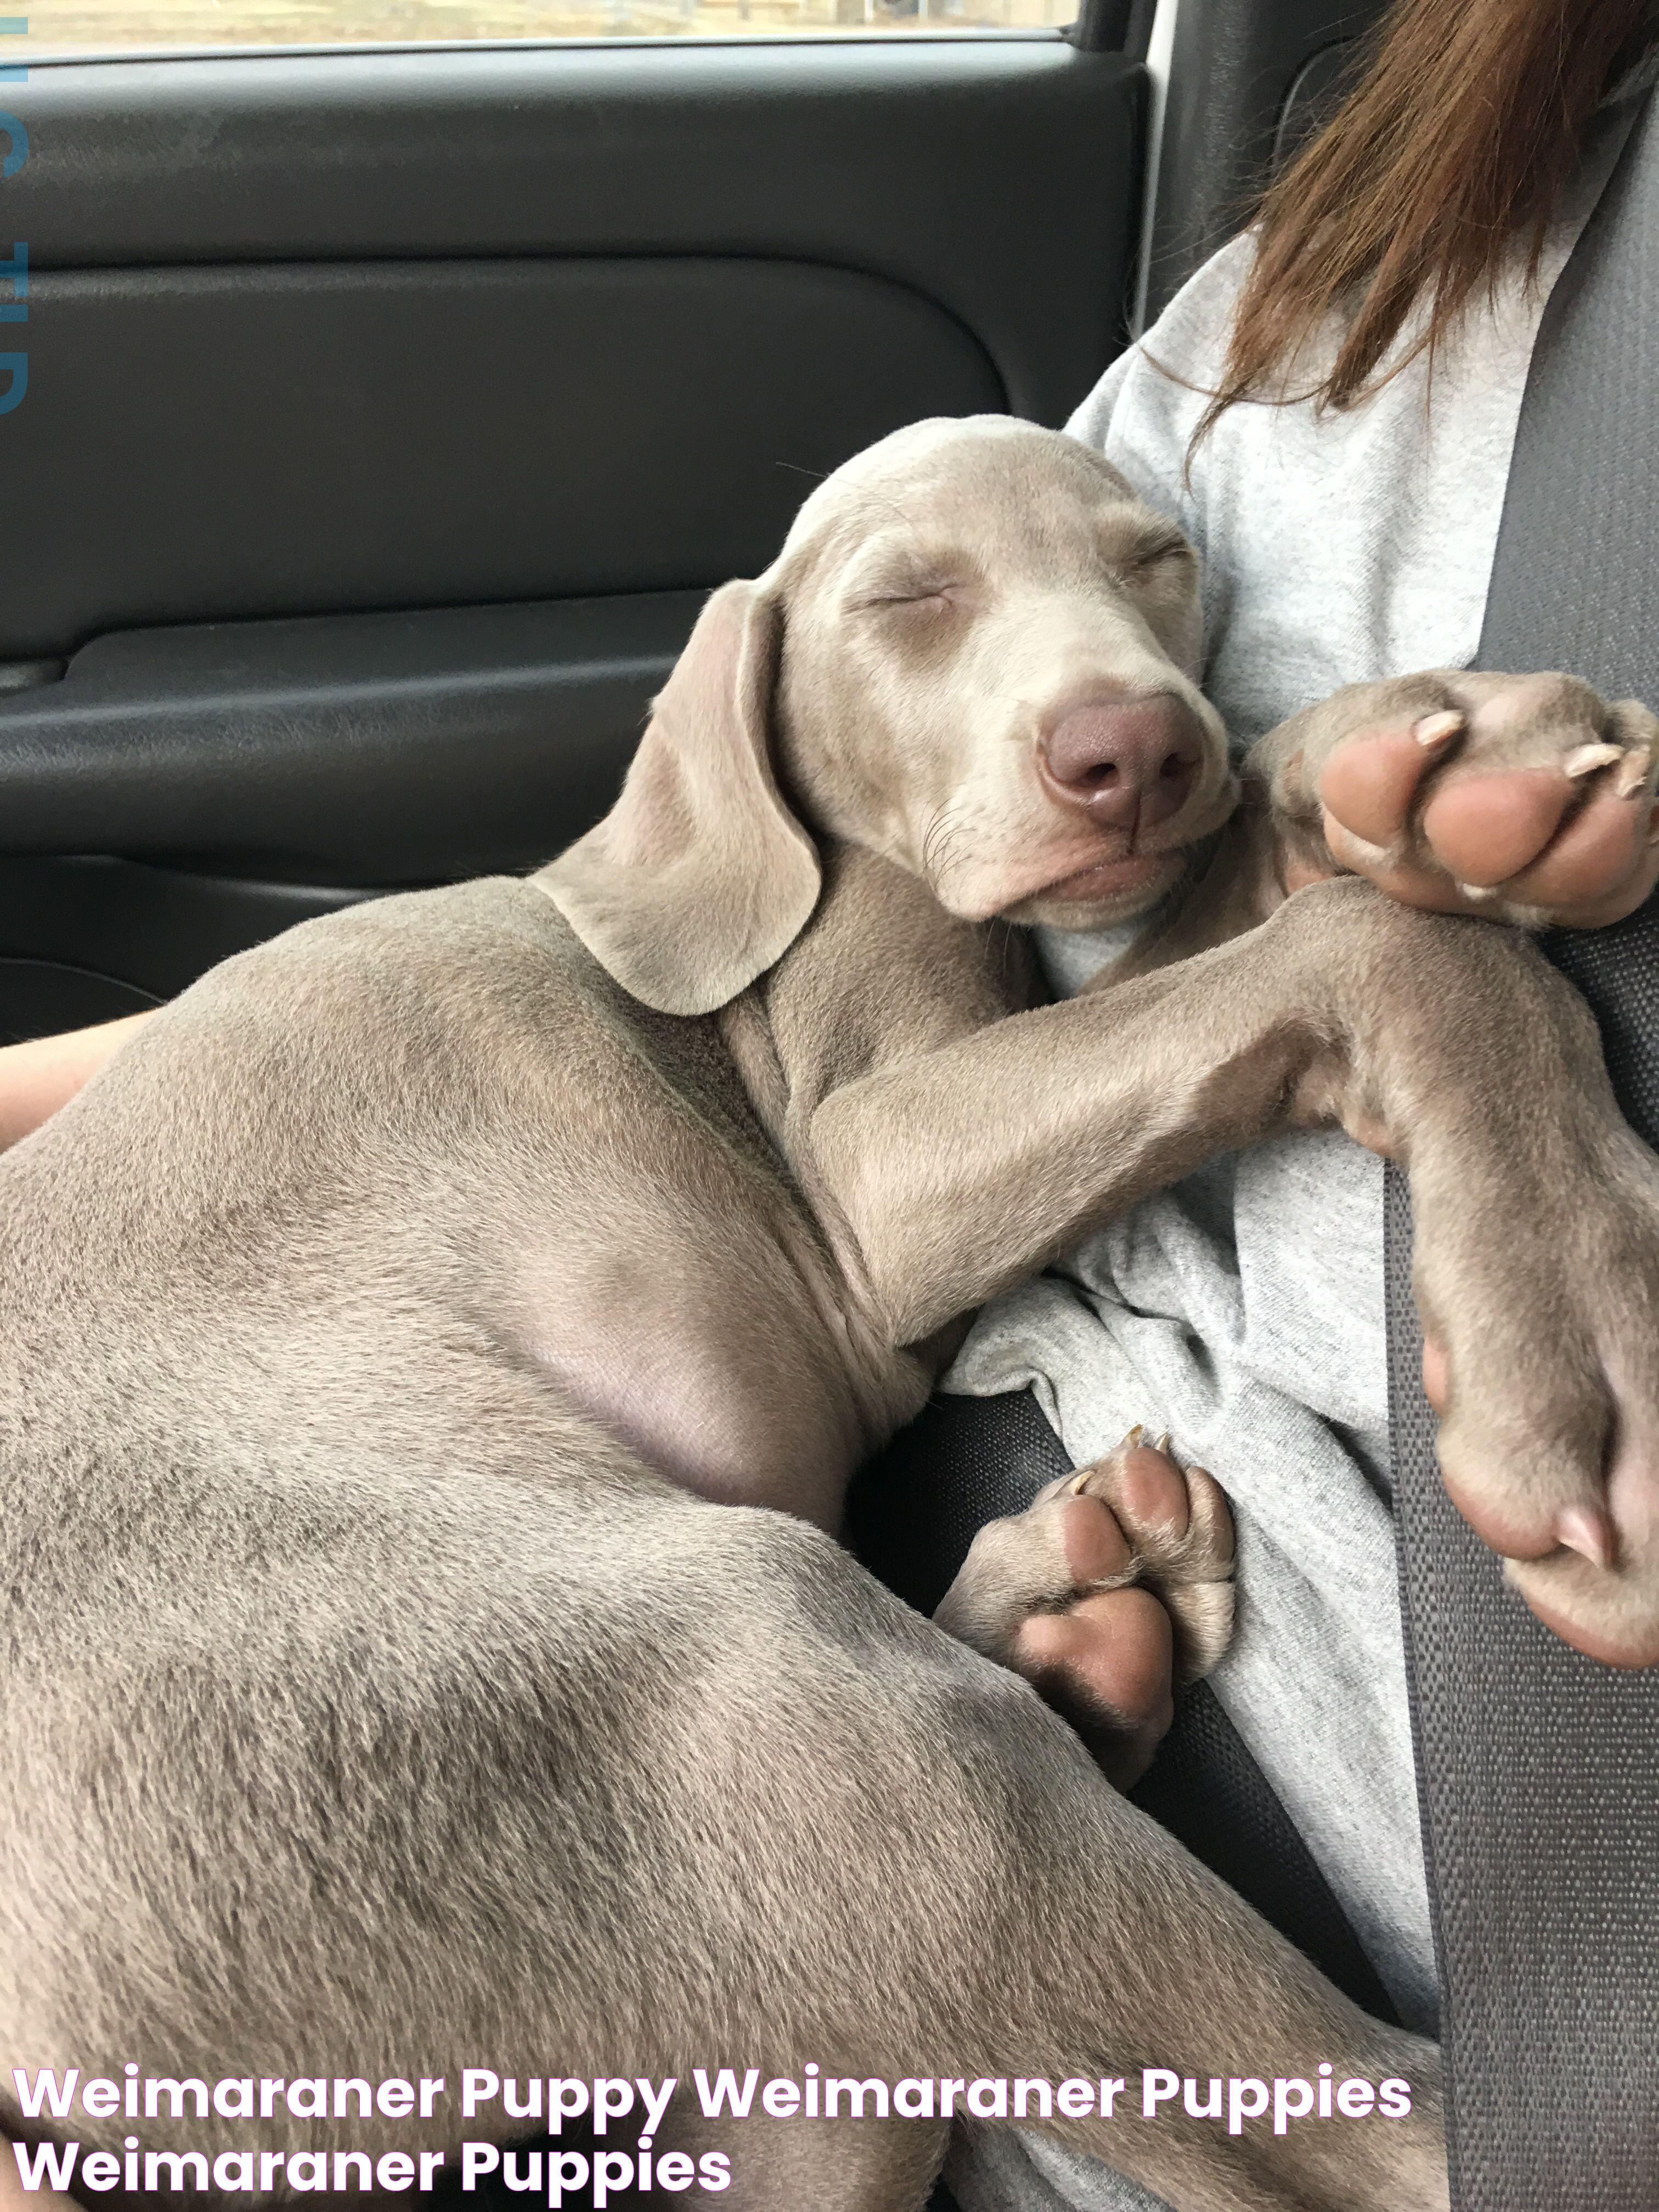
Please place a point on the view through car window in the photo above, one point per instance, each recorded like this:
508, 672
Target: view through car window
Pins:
69, 26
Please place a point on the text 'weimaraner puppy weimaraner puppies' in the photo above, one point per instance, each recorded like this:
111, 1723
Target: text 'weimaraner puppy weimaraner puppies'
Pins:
432, 1354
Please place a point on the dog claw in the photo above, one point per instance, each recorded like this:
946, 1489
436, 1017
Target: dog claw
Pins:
1588, 758
1435, 729
1133, 1440
1478, 890
1588, 1531
1634, 773
1163, 1444
1078, 1483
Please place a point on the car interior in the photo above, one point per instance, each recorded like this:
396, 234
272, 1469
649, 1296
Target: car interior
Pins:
390, 411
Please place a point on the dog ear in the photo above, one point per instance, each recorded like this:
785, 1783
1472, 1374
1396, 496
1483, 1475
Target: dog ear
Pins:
700, 877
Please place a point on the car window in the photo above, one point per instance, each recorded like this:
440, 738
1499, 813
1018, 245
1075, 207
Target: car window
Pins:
104, 27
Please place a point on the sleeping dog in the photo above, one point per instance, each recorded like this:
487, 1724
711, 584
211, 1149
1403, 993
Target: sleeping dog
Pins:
435, 1350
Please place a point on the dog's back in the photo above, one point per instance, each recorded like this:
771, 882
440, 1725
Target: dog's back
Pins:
328, 1545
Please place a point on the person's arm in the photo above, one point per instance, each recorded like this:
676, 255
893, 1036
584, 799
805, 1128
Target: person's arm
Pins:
14, 2198
36, 1078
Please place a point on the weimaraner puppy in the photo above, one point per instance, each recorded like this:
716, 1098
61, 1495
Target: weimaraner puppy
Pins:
432, 1353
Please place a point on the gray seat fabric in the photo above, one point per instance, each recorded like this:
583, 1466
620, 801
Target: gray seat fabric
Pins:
1540, 1769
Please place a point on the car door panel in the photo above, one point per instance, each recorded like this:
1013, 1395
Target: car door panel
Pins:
998, 176
383, 749
390, 413
212, 443
64, 924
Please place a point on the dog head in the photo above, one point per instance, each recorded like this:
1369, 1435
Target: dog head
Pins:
976, 655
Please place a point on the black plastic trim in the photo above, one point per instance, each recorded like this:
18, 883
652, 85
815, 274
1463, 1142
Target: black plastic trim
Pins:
370, 750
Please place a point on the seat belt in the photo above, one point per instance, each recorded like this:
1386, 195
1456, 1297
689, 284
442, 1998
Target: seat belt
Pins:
1539, 1770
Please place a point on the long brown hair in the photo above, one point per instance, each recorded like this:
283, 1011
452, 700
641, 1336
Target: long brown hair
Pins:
1454, 145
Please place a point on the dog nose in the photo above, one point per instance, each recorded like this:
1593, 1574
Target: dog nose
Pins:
1130, 762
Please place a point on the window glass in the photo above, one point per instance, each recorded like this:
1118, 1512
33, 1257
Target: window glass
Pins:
69, 27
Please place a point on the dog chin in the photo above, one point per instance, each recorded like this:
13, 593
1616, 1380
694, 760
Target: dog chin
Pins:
1096, 897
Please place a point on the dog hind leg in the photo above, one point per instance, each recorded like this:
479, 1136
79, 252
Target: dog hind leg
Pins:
591, 1776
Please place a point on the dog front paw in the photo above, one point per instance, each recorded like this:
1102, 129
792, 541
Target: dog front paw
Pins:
1114, 1584
1541, 1357
1529, 799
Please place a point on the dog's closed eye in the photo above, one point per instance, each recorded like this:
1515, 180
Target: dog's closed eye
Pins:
1148, 551
905, 577
894, 573
922, 592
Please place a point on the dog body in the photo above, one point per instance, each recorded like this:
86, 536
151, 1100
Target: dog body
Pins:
385, 1693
